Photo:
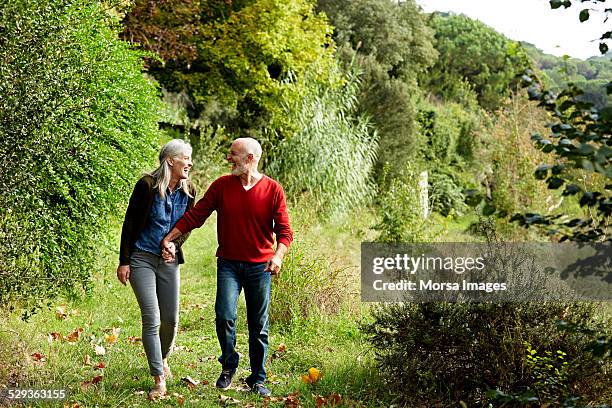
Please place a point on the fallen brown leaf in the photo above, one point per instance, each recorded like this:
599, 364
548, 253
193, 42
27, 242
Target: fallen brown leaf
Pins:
191, 383
38, 357
85, 385
75, 335
134, 339
320, 401
293, 400
87, 360
332, 400
100, 365
54, 336
60, 312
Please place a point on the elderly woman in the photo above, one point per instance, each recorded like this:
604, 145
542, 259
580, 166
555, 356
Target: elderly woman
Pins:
157, 203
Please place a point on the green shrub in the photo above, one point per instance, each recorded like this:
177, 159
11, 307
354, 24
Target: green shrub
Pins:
442, 353
451, 131
399, 208
78, 121
446, 194
549, 372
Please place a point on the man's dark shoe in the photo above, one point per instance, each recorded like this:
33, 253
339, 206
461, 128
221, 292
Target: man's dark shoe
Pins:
225, 379
260, 389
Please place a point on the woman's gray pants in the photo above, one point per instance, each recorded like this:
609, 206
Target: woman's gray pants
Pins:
156, 285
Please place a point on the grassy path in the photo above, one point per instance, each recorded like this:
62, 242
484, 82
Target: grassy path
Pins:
53, 351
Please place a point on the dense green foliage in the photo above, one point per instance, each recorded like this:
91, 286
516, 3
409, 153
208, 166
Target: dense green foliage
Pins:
395, 34
389, 104
441, 353
77, 122
247, 57
391, 44
473, 56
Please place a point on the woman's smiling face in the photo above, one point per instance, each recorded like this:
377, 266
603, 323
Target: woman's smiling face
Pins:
181, 165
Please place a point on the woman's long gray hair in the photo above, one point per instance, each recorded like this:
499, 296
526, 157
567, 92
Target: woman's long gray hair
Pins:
162, 174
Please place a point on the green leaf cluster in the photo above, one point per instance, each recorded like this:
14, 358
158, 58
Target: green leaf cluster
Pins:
579, 141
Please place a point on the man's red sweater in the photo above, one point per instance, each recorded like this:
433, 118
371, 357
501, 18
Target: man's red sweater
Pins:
246, 220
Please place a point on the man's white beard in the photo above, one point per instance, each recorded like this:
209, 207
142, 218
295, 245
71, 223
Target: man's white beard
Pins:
240, 169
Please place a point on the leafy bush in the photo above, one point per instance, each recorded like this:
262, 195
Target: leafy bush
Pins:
77, 123
451, 132
331, 156
400, 209
446, 195
442, 353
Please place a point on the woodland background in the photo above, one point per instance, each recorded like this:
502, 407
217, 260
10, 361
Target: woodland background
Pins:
351, 101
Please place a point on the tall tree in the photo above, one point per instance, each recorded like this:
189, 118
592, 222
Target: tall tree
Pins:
473, 53
248, 56
396, 35
391, 44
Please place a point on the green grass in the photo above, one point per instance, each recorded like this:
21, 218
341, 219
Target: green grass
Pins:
332, 344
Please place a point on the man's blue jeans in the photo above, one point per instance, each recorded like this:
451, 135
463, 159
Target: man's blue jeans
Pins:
232, 277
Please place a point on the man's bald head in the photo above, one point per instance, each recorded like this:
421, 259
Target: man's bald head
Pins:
248, 145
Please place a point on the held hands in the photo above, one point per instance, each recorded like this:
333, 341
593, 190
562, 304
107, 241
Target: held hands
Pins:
123, 273
274, 264
168, 251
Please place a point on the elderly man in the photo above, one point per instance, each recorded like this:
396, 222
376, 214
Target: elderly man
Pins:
250, 208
